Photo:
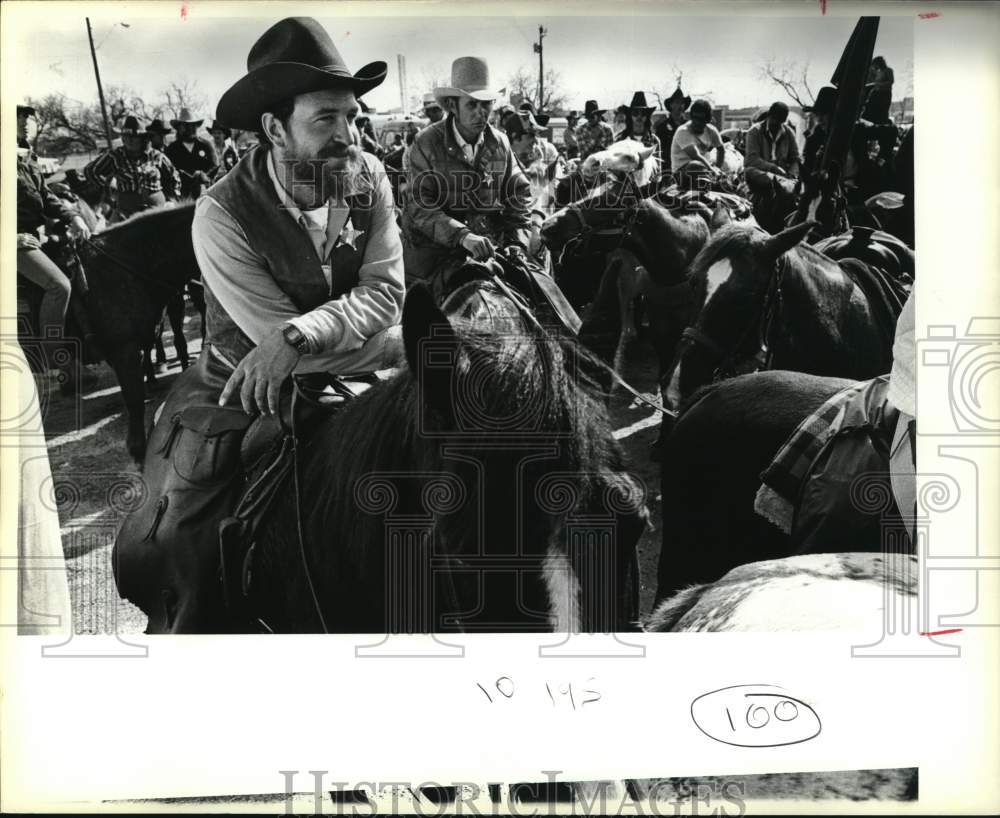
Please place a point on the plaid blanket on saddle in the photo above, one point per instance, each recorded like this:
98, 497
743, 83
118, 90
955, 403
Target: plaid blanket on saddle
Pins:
778, 495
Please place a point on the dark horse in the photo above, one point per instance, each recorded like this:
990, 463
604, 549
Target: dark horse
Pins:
663, 233
478, 489
771, 302
712, 462
133, 269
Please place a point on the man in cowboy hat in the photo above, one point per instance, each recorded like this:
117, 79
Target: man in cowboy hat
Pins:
569, 135
639, 124
593, 134
539, 161
224, 149
432, 109
821, 112
677, 103
772, 154
140, 176
465, 189
697, 149
158, 131
36, 202
303, 271
193, 156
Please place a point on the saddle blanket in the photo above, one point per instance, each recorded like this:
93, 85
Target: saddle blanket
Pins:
860, 406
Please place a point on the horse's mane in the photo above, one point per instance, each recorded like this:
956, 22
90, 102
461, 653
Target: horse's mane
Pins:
729, 240
148, 218
507, 374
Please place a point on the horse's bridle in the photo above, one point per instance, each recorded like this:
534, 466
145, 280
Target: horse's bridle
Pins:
622, 228
729, 363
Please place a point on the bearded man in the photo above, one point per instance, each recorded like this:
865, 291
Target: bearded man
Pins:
303, 270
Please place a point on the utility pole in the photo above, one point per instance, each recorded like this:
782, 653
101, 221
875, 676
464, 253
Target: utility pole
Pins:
541, 67
404, 91
100, 90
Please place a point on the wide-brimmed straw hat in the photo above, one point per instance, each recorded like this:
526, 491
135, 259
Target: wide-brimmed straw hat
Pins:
185, 118
470, 77
294, 56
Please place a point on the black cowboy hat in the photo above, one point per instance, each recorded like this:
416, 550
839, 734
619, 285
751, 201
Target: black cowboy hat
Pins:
25, 110
158, 126
542, 119
294, 56
590, 107
826, 101
638, 103
677, 96
519, 123
130, 127
214, 126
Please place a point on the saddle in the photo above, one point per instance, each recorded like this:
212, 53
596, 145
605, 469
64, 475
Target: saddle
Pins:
209, 468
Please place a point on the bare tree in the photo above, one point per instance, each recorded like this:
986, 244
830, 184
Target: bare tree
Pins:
429, 77
182, 93
123, 101
792, 77
66, 126
524, 82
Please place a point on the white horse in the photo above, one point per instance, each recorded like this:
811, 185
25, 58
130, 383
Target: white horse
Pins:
628, 157
810, 592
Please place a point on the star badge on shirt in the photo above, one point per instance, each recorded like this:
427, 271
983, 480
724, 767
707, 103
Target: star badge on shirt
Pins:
349, 235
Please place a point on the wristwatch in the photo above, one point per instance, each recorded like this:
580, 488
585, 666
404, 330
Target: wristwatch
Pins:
293, 335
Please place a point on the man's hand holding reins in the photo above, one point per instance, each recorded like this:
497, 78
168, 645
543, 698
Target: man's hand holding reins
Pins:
479, 247
261, 373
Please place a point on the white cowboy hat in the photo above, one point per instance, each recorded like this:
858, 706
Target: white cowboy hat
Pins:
430, 101
470, 77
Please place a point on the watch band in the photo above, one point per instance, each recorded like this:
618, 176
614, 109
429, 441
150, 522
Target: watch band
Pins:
293, 335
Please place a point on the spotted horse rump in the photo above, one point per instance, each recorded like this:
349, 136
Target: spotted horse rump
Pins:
842, 591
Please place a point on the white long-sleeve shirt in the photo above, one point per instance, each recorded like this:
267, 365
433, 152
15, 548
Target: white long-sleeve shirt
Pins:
240, 280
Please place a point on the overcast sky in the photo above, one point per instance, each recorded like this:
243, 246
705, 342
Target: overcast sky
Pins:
598, 57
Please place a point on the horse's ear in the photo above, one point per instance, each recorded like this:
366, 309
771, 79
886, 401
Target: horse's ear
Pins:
780, 243
431, 346
720, 216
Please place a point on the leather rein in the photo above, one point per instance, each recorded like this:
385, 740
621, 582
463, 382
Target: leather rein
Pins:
729, 362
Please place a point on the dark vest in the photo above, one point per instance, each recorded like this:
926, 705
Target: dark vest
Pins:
247, 194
